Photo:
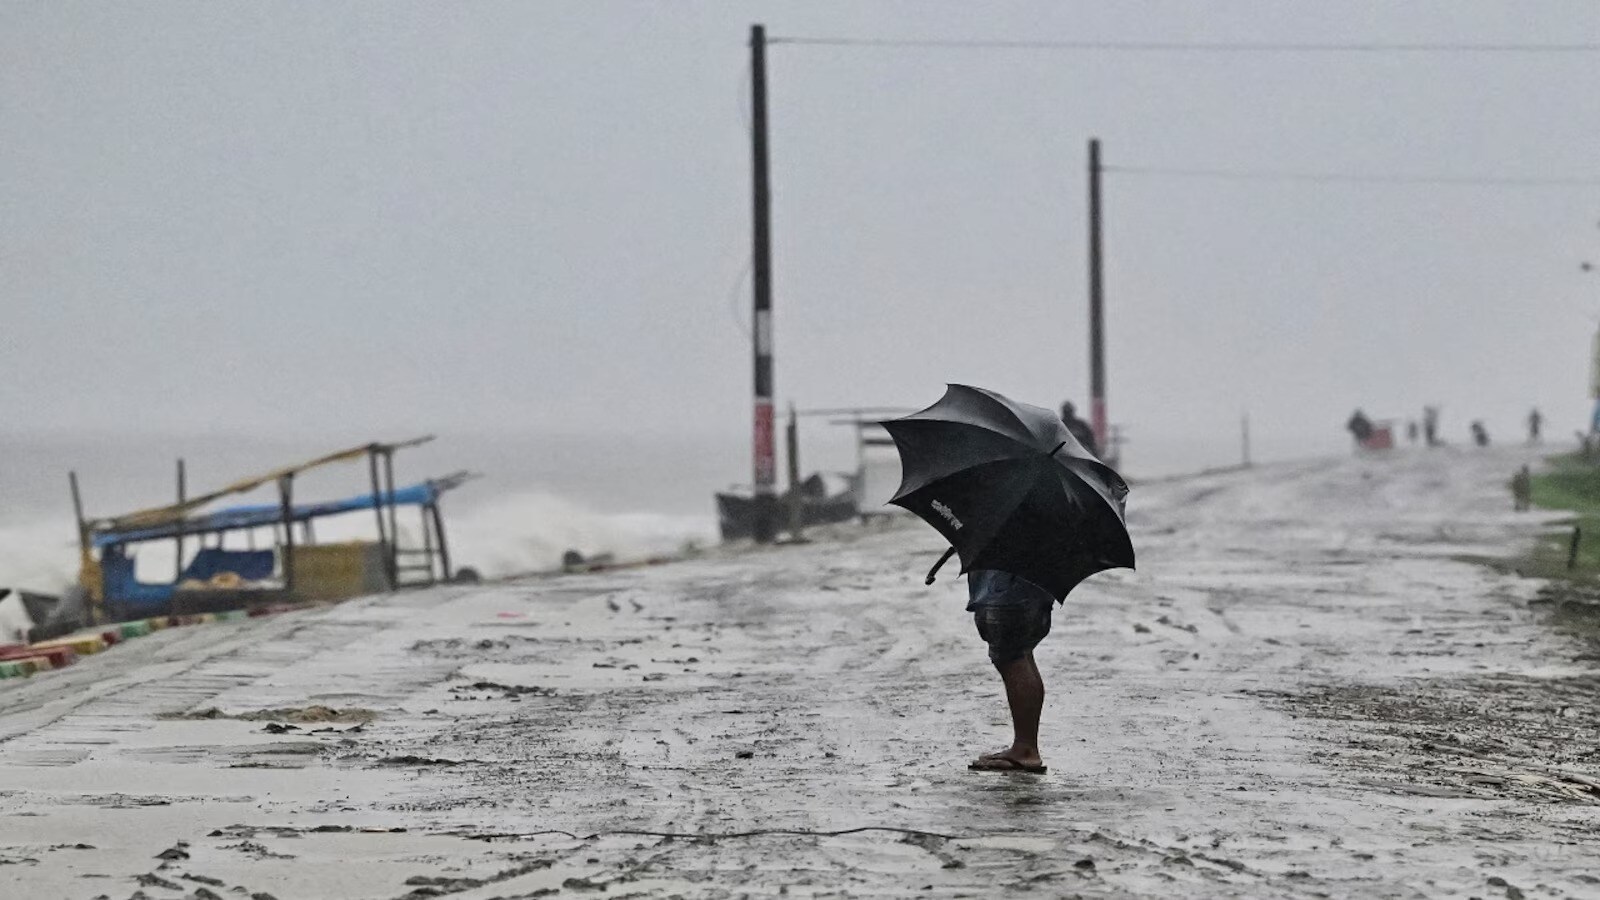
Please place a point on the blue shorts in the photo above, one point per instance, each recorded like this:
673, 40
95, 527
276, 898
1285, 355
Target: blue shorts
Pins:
1012, 631
1012, 615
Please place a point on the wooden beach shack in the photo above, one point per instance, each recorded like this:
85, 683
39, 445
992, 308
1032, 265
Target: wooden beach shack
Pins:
214, 573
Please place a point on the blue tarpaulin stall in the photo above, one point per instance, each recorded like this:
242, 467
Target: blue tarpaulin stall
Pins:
265, 515
227, 577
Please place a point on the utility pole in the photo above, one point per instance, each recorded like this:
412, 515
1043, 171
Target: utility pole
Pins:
765, 525
89, 575
1594, 385
377, 508
792, 453
1097, 336
1594, 380
286, 511
183, 497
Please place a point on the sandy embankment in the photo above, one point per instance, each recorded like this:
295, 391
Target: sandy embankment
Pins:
1302, 692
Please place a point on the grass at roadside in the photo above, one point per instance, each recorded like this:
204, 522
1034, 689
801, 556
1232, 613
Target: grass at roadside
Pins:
1572, 595
1570, 483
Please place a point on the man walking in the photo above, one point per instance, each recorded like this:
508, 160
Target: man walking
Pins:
1013, 616
1030, 513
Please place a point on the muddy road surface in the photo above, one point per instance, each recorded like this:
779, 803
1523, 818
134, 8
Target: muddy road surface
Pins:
1305, 691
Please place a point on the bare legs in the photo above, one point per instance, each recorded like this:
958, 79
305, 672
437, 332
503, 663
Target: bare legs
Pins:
1025, 694
1012, 630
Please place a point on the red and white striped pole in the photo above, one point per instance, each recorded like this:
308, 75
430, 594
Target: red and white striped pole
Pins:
765, 520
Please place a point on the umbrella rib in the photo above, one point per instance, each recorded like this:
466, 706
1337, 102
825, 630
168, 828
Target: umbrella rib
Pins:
1067, 487
907, 485
998, 403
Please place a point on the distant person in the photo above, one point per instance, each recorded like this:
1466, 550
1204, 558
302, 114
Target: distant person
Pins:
1411, 431
1078, 427
1535, 420
1360, 427
1480, 434
1430, 425
1522, 490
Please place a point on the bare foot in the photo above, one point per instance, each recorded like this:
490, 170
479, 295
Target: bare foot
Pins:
1028, 757
1001, 763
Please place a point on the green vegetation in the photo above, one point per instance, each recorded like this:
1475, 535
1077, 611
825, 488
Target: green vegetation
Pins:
1571, 483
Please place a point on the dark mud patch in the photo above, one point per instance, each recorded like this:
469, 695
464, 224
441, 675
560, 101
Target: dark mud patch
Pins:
300, 714
1485, 737
472, 648
502, 691
442, 885
412, 760
249, 832
256, 850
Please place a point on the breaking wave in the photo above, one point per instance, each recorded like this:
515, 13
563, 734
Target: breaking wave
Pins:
530, 531
39, 555
515, 533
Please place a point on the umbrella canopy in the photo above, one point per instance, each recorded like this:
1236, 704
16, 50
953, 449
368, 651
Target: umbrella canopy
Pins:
1011, 489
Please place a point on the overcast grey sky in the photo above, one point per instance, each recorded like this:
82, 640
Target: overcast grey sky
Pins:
533, 217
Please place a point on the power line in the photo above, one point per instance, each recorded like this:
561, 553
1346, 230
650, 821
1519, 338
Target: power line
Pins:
1187, 47
1357, 177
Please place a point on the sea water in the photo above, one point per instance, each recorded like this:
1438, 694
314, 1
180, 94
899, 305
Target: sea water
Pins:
537, 497
629, 495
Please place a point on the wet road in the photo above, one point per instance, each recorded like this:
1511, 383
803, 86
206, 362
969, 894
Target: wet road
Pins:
1302, 692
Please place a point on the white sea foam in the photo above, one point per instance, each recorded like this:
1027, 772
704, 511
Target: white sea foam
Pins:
531, 530
39, 555
14, 621
519, 532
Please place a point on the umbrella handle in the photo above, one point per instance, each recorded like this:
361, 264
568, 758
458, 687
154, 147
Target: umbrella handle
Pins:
942, 560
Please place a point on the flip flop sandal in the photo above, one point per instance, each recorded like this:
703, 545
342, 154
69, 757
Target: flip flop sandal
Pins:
1004, 764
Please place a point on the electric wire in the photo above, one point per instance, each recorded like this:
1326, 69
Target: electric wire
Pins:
1188, 46
1388, 178
1264, 175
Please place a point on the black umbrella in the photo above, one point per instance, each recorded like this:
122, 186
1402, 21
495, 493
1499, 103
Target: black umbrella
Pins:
1011, 489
